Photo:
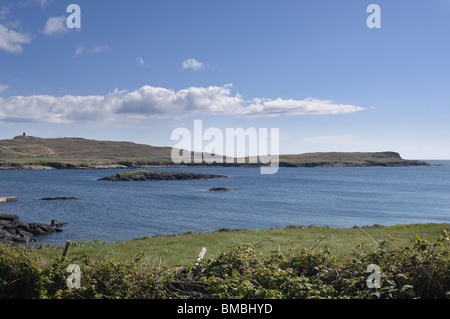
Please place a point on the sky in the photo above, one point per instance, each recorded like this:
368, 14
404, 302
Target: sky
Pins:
137, 70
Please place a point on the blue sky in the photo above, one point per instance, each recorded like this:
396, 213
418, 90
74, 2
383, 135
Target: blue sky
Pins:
136, 70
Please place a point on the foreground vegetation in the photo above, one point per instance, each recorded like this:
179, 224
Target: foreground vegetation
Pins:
293, 262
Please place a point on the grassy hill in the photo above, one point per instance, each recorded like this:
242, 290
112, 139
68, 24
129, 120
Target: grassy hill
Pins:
339, 159
25, 152
29, 146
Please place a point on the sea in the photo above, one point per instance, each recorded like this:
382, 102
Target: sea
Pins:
119, 211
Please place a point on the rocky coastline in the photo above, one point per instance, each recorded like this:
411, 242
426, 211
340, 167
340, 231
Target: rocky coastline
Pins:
15, 232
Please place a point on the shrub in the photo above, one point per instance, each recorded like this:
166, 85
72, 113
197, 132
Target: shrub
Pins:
20, 273
421, 270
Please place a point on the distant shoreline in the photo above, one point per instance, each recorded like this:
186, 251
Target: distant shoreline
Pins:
28, 152
70, 164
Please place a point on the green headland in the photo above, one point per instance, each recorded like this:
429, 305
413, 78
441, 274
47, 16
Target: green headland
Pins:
28, 152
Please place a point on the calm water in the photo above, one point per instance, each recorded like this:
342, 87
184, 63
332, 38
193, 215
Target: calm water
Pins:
338, 197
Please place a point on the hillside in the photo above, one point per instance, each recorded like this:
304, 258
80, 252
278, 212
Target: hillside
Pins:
29, 146
339, 159
28, 152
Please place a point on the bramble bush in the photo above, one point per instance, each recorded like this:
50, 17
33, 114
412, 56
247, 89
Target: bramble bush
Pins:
421, 270
20, 273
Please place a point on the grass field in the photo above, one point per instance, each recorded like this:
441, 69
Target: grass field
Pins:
183, 249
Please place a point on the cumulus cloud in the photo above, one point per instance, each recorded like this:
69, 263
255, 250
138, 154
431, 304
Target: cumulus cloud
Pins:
157, 102
11, 41
51, 109
308, 106
55, 25
3, 87
192, 64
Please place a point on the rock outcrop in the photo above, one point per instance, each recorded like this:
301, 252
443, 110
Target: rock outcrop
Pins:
15, 232
58, 198
220, 189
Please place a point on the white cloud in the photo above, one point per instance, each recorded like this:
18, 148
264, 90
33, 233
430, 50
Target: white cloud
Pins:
3, 87
55, 25
4, 11
309, 106
192, 64
80, 50
141, 61
42, 3
99, 49
51, 109
335, 140
156, 102
11, 41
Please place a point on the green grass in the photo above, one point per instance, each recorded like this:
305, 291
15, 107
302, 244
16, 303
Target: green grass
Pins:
348, 159
26, 147
183, 249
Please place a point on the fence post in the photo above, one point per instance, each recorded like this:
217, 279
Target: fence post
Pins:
66, 248
200, 256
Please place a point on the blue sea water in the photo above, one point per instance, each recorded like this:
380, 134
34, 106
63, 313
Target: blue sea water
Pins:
337, 197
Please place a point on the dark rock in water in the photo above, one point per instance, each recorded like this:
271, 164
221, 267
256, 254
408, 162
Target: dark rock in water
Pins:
14, 232
143, 175
57, 223
58, 198
221, 189
9, 218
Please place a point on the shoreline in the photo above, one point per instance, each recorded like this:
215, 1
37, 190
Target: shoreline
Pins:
62, 166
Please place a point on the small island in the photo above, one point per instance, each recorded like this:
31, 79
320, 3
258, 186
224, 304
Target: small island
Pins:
58, 198
143, 175
220, 189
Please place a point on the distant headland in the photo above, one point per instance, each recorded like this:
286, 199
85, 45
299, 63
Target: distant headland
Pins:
29, 152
